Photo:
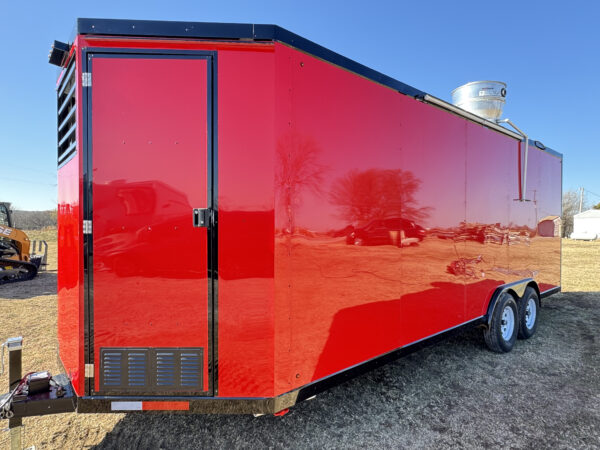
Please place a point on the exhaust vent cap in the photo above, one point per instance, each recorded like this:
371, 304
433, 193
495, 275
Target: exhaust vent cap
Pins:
483, 98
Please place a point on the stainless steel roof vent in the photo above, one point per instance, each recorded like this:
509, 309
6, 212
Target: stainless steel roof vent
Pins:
483, 98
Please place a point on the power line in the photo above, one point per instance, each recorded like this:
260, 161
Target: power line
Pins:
41, 171
21, 180
593, 193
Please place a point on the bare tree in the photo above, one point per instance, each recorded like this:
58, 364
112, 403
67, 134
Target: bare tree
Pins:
34, 220
373, 194
298, 171
570, 207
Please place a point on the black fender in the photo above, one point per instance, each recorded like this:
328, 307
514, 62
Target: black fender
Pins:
516, 289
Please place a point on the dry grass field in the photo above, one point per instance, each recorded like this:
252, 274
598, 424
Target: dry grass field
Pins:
581, 266
456, 393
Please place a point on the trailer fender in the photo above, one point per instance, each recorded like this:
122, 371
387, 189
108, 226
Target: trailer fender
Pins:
516, 289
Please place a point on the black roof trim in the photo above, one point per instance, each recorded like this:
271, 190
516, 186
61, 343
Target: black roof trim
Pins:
542, 147
215, 30
553, 152
211, 30
163, 28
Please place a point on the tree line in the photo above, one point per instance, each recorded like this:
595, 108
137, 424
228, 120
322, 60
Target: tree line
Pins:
34, 220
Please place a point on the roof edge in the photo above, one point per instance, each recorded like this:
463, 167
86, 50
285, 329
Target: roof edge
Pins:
215, 30
266, 32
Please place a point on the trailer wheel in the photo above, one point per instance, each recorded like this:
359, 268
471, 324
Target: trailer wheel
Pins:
502, 333
528, 313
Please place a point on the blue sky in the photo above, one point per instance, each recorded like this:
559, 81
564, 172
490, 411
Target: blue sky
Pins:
548, 52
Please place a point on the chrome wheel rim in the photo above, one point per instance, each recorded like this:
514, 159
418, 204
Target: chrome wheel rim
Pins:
507, 324
530, 313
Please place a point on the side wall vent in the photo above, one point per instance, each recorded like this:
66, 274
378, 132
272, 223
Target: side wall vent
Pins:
67, 115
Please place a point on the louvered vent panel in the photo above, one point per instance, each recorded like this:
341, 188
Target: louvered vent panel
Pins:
124, 369
137, 369
148, 370
67, 115
179, 369
191, 369
165, 368
112, 368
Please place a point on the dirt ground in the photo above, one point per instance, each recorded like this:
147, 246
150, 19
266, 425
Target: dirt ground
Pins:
454, 394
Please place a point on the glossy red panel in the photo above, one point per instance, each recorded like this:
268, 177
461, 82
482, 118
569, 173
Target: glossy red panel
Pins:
361, 173
394, 220
433, 151
69, 285
149, 125
245, 196
492, 184
544, 181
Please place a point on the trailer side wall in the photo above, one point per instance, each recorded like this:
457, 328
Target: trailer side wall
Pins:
397, 221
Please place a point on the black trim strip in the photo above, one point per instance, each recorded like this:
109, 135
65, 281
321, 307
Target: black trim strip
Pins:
213, 229
550, 292
88, 273
354, 371
160, 28
550, 151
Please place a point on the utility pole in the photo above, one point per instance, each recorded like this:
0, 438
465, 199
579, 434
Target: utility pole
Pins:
581, 199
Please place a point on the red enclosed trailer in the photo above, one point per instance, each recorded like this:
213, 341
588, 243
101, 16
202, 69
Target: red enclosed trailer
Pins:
246, 218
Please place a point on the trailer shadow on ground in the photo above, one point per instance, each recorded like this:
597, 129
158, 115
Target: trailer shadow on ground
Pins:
43, 284
543, 393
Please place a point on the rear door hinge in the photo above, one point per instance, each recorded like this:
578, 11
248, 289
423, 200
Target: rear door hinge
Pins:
86, 79
87, 227
89, 371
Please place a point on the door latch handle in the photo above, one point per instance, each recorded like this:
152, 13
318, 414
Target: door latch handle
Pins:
202, 217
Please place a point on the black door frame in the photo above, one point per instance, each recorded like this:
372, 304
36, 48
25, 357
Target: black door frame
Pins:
88, 55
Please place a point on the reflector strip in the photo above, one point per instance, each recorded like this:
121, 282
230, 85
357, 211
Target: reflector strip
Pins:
164, 406
125, 406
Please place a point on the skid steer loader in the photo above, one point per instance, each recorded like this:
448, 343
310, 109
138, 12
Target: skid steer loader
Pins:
20, 258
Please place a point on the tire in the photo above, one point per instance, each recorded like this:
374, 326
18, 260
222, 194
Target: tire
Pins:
529, 307
501, 335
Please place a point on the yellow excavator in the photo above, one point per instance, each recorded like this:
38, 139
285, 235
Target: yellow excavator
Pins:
17, 261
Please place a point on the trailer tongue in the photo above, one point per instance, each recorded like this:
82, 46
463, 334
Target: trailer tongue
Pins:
35, 397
